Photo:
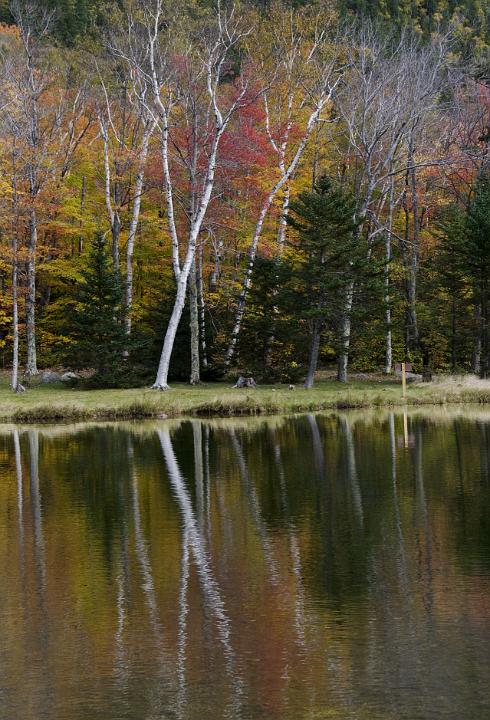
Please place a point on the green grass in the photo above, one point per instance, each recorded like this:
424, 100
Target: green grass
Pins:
57, 402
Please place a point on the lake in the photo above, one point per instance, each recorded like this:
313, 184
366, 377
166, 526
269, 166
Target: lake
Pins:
313, 567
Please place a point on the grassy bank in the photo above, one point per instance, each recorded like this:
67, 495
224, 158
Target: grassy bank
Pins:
56, 402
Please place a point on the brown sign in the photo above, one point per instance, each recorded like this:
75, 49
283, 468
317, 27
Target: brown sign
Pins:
408, 367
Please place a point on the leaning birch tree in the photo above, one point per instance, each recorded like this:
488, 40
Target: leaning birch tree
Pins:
181, 60
308, 65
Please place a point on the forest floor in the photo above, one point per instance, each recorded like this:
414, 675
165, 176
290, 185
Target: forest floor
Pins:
52, 402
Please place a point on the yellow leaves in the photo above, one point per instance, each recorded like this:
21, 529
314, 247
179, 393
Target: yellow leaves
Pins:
61, 269
6, 189
5, 320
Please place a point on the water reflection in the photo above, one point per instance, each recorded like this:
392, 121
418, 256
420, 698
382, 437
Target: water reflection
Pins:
312, 567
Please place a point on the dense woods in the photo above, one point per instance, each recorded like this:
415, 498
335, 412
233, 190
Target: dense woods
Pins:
190, 189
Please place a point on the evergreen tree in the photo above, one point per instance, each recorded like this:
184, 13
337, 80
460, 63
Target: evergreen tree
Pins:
450, 286
331, 256
272, 340
477, 251
97, 328
5, 14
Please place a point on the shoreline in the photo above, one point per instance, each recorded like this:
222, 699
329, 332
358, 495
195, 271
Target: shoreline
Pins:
52, 403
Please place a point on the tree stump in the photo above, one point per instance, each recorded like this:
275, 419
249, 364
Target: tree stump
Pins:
245, 382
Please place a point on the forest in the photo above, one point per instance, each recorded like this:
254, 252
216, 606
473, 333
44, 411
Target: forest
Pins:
196, 190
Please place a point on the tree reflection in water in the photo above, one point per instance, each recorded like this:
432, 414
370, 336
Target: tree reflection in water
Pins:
287, 568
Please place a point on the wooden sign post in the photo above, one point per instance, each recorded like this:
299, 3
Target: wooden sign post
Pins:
404, 381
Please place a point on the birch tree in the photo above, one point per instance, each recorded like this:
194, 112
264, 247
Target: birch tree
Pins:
308, 66
126, 126
12, 224
15, 384
41, 118
188, 65
424, 83
25, 72
390, 87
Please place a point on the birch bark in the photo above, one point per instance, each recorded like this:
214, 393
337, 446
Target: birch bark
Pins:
252, 252
168, 89
133, 225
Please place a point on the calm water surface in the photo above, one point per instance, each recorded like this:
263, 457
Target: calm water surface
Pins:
309, 568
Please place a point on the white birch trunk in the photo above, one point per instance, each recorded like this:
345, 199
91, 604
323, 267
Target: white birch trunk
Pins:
31, 363
412, 333
161, 380
113, 214
15, 302
202, 309
195, 377
182, 275
133, 226
240, 310
388, 256
15, 320
283, 221
228, 35
345, 334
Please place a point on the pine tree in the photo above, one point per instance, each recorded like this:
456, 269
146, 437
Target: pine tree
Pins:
97, 328
477, 250
451, 276
331, 255
5, 15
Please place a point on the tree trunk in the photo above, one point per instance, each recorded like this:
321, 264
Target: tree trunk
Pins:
15, 277
240, 309
412, 332
388, 255
161, 381
114, 218
345, 334
314, 352
283, 221
31, 364
133, 226
453, 335
476, 355
115, 233
15, 319
83, 194
195, 377
281, 239
485, 344
130, 250
389, 347
202, 309
285, 176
